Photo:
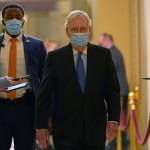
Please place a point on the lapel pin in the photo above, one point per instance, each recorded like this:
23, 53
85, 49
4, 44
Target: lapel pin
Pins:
27, 40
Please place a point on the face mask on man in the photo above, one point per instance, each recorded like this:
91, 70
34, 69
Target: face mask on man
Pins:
79, 39
14, 26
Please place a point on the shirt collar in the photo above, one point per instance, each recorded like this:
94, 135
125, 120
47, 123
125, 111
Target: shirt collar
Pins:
76, 52
7, 37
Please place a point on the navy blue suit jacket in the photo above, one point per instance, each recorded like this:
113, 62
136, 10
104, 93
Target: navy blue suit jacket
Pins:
35, 55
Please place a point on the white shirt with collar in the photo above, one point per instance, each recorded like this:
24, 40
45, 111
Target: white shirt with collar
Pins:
4, 62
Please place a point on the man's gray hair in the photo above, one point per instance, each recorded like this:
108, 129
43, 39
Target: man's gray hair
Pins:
77, 13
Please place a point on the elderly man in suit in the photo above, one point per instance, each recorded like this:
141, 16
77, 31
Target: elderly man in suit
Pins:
83, 78
19, 55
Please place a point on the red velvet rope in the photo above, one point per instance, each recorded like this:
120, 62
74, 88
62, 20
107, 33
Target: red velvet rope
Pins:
124, 124
141, 140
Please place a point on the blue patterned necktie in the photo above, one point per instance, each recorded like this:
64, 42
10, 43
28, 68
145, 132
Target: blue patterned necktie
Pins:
80, 71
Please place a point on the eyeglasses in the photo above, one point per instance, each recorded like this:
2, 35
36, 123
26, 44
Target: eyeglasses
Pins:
79, 30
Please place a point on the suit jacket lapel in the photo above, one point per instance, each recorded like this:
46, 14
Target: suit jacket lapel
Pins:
27, 49
91, 66
70, 67
1, 40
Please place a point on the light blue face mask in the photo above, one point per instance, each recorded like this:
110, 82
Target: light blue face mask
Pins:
14, 26
79, 39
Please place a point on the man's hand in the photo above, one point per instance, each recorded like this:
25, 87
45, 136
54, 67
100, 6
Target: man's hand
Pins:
111, 131
42, 136
3, 90
13, 82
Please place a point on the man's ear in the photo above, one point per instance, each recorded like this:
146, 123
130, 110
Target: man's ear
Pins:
67, 32
90, 31
3, 22
23, 22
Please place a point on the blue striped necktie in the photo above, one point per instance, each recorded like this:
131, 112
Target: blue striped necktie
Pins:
81, 72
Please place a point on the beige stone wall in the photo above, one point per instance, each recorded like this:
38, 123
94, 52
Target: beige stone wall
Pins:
145, 67
114, 17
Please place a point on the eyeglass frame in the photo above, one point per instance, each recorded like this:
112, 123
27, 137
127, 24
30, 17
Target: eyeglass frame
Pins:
79, 30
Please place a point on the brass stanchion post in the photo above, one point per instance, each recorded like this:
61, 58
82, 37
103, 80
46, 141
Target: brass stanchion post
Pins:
138, 110
132, 131
119, 140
